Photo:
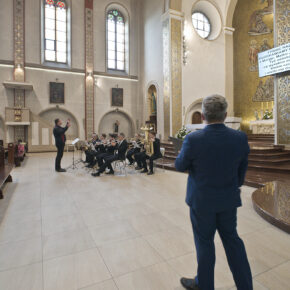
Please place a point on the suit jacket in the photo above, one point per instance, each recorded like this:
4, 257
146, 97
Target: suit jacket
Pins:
122, 148
59, 135
156, 147
217, 160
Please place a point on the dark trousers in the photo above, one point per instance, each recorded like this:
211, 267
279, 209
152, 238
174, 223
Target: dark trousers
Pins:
108, 163
131, 153
101, 158
204, 228
141, 159
60, 149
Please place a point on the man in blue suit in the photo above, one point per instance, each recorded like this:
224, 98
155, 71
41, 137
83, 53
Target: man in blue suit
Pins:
216, 159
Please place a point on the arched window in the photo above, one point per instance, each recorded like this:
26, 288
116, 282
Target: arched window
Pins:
55, 31
115, 40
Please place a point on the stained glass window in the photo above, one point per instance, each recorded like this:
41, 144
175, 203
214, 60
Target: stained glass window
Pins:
201, 24
55, 31
115, 40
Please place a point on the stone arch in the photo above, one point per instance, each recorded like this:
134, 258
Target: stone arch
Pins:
49, 115
106, 123
152, 88
194, 107
230, 10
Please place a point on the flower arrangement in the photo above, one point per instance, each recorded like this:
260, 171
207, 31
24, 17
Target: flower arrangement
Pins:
181, 134
268, 115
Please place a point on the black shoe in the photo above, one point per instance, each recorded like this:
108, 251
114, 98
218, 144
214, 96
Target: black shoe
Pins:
150, 173
138, 168
189, 284
96, 174
60, 170
131, 163
144, 171
110, 172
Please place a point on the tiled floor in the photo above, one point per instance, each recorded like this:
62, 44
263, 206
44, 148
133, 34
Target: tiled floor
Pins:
72, 231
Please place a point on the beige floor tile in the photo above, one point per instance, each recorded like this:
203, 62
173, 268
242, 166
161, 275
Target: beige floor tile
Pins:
128, 255
107, 285
20, 231
24, 278
171, 243
157, 277
67, 243
260, 257
277, 278
148, 224
21, 217
111, 232
93, 218
178, 216
75, 271
22, 253
256, 286
59, 210
58, 224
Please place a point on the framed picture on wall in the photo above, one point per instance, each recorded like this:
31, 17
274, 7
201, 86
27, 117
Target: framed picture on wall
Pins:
56, 93
117, 97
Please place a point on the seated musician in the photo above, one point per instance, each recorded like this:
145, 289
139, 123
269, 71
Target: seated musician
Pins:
99, 149
91, 147
120, 154
142, 157
136, 143
107, 150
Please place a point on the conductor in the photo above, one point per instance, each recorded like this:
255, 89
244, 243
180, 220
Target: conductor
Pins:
59, 135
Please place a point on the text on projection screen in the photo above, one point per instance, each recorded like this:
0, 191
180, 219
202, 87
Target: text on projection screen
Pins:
273, 61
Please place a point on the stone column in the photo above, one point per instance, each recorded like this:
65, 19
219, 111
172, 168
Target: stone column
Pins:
89, 68
19, 58
172, 70
282, 98
229, 66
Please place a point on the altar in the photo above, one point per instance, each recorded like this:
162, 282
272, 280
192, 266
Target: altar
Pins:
263, 127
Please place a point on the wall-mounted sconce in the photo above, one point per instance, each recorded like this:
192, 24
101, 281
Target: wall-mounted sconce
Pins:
89, 75
19, 69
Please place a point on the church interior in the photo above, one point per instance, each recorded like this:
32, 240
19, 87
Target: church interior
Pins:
139, 70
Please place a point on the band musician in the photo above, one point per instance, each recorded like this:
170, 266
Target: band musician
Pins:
60, 138
119, 154
91, 148
136, 148
142, 157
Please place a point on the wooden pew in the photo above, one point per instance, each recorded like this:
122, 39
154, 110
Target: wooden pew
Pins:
5, 169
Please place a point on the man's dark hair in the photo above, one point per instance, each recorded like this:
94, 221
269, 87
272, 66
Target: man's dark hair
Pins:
56, 121
122, 134
104, 135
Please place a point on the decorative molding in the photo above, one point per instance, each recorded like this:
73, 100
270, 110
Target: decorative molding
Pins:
19, 59
229, 30
89, 68
282, 28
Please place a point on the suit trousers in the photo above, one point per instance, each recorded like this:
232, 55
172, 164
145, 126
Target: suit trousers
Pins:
108, 163
60, 149
204, 227
131, 153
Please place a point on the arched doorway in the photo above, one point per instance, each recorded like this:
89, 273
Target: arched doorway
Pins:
196, 118
108, 123
50, 115
152, 106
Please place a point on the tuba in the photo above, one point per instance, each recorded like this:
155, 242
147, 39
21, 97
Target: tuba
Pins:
148, 144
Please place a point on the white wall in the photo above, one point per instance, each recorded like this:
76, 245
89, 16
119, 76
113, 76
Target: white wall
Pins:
204, 73
6, 30
40, 76
153, 54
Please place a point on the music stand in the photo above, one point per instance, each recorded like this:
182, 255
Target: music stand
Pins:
74, 142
